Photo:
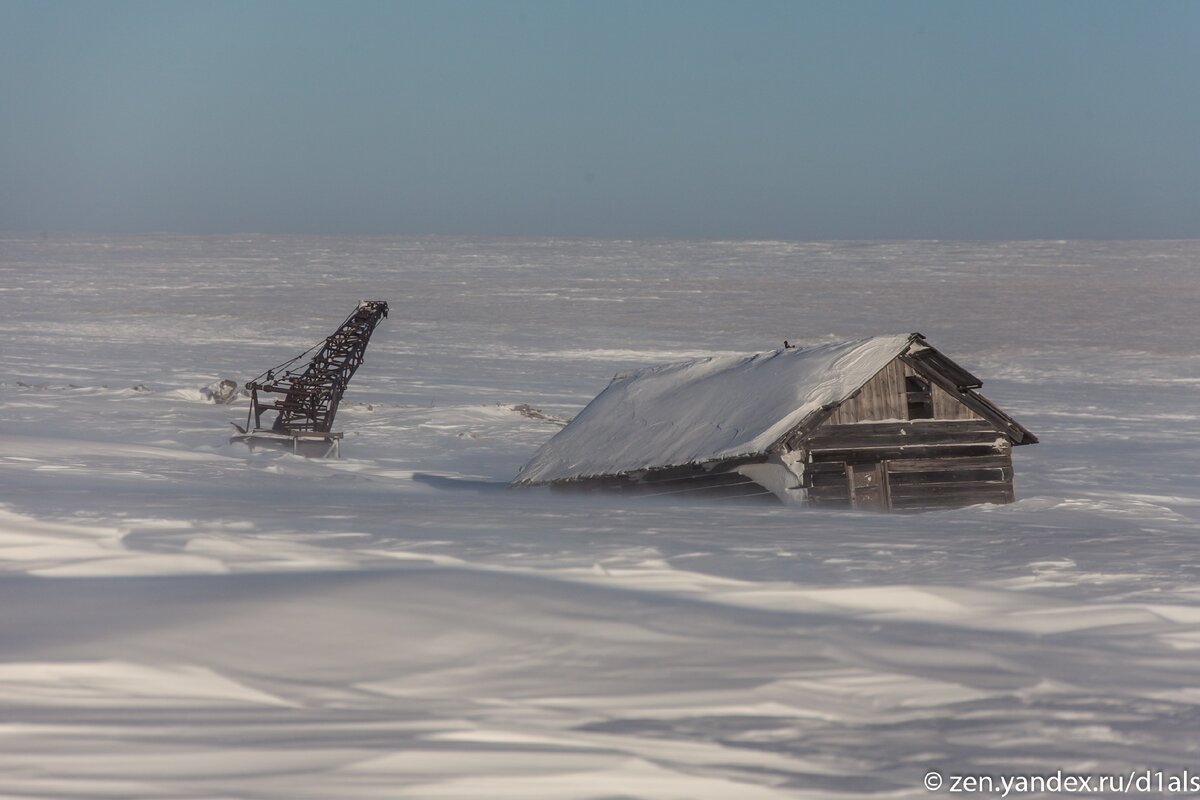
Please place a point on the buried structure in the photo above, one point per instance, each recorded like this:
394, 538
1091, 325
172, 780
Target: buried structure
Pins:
885, 423
303, 395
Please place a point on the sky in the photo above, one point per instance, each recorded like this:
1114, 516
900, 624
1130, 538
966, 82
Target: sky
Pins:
754, 120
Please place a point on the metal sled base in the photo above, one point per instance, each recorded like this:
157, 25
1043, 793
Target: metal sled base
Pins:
312, 444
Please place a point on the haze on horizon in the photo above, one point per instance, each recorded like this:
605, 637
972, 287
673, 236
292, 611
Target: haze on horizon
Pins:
784, 120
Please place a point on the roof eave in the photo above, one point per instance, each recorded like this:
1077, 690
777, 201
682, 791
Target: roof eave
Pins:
949, 375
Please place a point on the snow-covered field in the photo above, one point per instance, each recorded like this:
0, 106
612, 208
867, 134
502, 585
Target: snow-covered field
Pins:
184, 618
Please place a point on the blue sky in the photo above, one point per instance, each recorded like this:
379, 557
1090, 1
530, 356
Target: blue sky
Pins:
788, 120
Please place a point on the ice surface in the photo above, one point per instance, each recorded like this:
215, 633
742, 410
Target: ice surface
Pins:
188, 619
707, 409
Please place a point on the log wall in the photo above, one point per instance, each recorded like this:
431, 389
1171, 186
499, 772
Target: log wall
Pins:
720, 481
921, 465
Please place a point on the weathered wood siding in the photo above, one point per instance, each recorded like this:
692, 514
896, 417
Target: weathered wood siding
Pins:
921, 464
917, 484
885, 397
713, 485
827, 483
863, 441
677, 482
947, 406
882, 397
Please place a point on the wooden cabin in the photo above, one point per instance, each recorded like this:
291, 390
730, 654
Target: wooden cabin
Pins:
884, 423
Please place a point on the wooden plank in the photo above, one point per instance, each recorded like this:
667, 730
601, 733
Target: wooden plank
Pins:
829, 479
992, 492
825, 473
949, 476
877, 399
707, 468
698, 479
698, 485
966, 490
683, 473
828, 496
932, 360
868, 487
870, 433
830, 483
948, 406
897, 389
979, 493
989, 410
747, 489
896, 426
872, 403
916, 437
944, 487
935, 484
792, 440
926, 464
868, 454
827, 483
826, 467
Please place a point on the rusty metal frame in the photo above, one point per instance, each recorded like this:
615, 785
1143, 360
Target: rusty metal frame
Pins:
307, 393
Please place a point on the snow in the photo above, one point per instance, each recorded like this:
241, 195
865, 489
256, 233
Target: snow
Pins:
185, 618
707, 409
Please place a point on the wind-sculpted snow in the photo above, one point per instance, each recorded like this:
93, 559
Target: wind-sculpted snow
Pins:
186, 618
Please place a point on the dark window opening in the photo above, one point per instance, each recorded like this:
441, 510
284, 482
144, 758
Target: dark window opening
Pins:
920, 398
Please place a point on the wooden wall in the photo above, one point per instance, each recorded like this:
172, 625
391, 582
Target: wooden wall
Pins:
946, 406
885, 397
922, 465
919, 484
882, 397
680, 482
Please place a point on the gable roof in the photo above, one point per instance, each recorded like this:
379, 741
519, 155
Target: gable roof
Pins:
714, 409
707, 409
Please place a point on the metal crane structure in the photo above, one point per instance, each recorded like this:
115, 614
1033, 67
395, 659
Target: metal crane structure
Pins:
307, 393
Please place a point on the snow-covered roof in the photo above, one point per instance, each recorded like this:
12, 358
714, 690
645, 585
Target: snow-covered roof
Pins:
708, 409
